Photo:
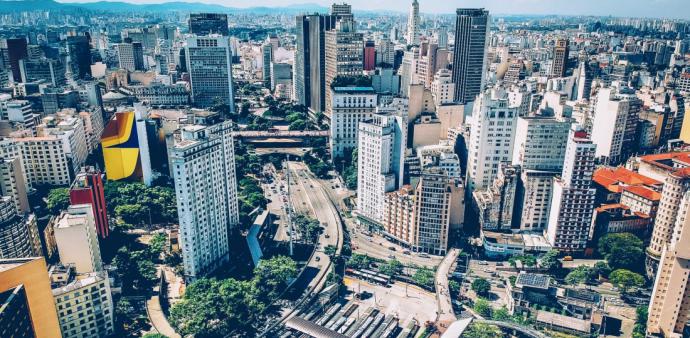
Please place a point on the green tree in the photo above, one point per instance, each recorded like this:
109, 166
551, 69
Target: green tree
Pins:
157, 244
501, 314
330, 250
359, 261
482, 307
622, 251
392, 267
229, 307
640, 328
550, 262
154, 335
626, 279
454, 286
481, 330
58, 200
132, 213
424, 277
481, 286
601, 269
579, 275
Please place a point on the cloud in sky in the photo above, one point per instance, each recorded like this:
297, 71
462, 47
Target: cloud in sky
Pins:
634, 8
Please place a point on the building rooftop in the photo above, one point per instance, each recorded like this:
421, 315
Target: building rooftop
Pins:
667, 161
533, 280
354, 90
571, 323
644, 192
615, 179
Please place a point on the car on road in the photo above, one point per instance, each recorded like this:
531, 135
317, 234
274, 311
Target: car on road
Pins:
392, 248
423, 255
391, 256
317, 258
406, 252
328, 236
483, 263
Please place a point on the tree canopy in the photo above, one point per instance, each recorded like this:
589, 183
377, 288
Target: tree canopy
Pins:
622, 251
58, 200
626, 280
219, 308
481, 286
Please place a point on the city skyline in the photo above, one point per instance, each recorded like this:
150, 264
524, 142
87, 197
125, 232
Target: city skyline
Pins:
674, 9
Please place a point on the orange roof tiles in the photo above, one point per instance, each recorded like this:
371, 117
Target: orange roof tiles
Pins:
661, 160
614, 178
644, 192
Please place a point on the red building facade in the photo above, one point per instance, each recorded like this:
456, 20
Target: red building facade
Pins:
87, 188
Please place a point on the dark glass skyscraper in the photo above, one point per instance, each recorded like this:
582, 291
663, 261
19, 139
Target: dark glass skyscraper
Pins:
80, 55
471, 32
16, 50
208, 23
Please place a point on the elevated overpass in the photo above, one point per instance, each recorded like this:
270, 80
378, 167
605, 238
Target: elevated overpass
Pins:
279, 138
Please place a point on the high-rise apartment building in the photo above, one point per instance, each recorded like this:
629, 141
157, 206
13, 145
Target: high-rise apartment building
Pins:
443, 88
442, 37
76, 238
203, 162
614, 125
432, 216
572, 203
351, 105
87, 188
491, 137
209, 63
84, 302
496, 204
469, 65
208, 23
31, 274
668, 309
19, 237
344, 49
385, 53
380, 163
13, 180
560, 58
676, 186
413, 24
539, 148
45, 160
131, 55
15, 317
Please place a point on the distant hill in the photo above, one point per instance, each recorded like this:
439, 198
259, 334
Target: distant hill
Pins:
117, 6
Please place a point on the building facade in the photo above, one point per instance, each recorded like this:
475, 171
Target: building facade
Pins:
469, 65
209, 63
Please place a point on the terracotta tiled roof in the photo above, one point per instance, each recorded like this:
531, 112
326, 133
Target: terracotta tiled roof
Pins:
644, 192
613, 179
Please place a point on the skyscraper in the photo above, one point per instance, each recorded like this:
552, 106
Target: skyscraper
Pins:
614, 126
19, 236
369, 55
560, 58
344, 51
302, 69
79, 51
413, 24
31, 274
76, 238
471, 32
573, 196
208, 23
87, 188
131, 56
267, 53
16, 49
491, 137
203, 161
442, 38
668, 312
209, 63
380, 163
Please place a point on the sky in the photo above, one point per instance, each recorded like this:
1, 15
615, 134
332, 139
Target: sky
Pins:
628, 8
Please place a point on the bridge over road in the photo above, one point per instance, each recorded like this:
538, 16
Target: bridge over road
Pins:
279, 138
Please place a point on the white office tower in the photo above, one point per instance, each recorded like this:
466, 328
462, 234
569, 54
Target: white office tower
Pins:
539, 149
492, 133
433, 201
380, 163
413, 24
203, 160
209, 63
573, 197
668, 310
385, 52
76, 239
350, 106
614, 126
443, 88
